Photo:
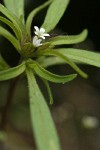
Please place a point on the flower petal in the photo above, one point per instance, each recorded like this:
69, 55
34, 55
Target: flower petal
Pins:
46, 34
42, 30
36, 41
36, 28
42, 37
40, 33
35, 38
36, 32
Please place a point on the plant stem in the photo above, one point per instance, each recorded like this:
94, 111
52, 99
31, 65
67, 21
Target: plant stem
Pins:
8, 102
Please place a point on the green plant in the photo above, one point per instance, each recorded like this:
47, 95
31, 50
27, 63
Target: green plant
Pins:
36, 54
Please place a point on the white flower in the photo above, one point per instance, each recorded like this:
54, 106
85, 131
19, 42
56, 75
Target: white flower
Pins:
36, 41
40, 32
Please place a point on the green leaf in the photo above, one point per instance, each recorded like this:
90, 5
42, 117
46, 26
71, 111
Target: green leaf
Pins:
12, 72
32, 15
69, 39
54, 14
50, 61
13, 18
57, 53
42, 123
40, 71
10, 37
49, 91
16, 7
11, 25
81, 56
78, 56
3, 64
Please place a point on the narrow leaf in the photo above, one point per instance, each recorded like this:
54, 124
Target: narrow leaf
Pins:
50, 76
81, 56
50, 61
54, 14
32, 15
13, 18
42, 123
10, 37
3, 64
11, 25
12, 72
52, 52
49, 91
16, 7
69, 39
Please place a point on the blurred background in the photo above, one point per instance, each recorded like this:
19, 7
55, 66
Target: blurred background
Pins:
76, 108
